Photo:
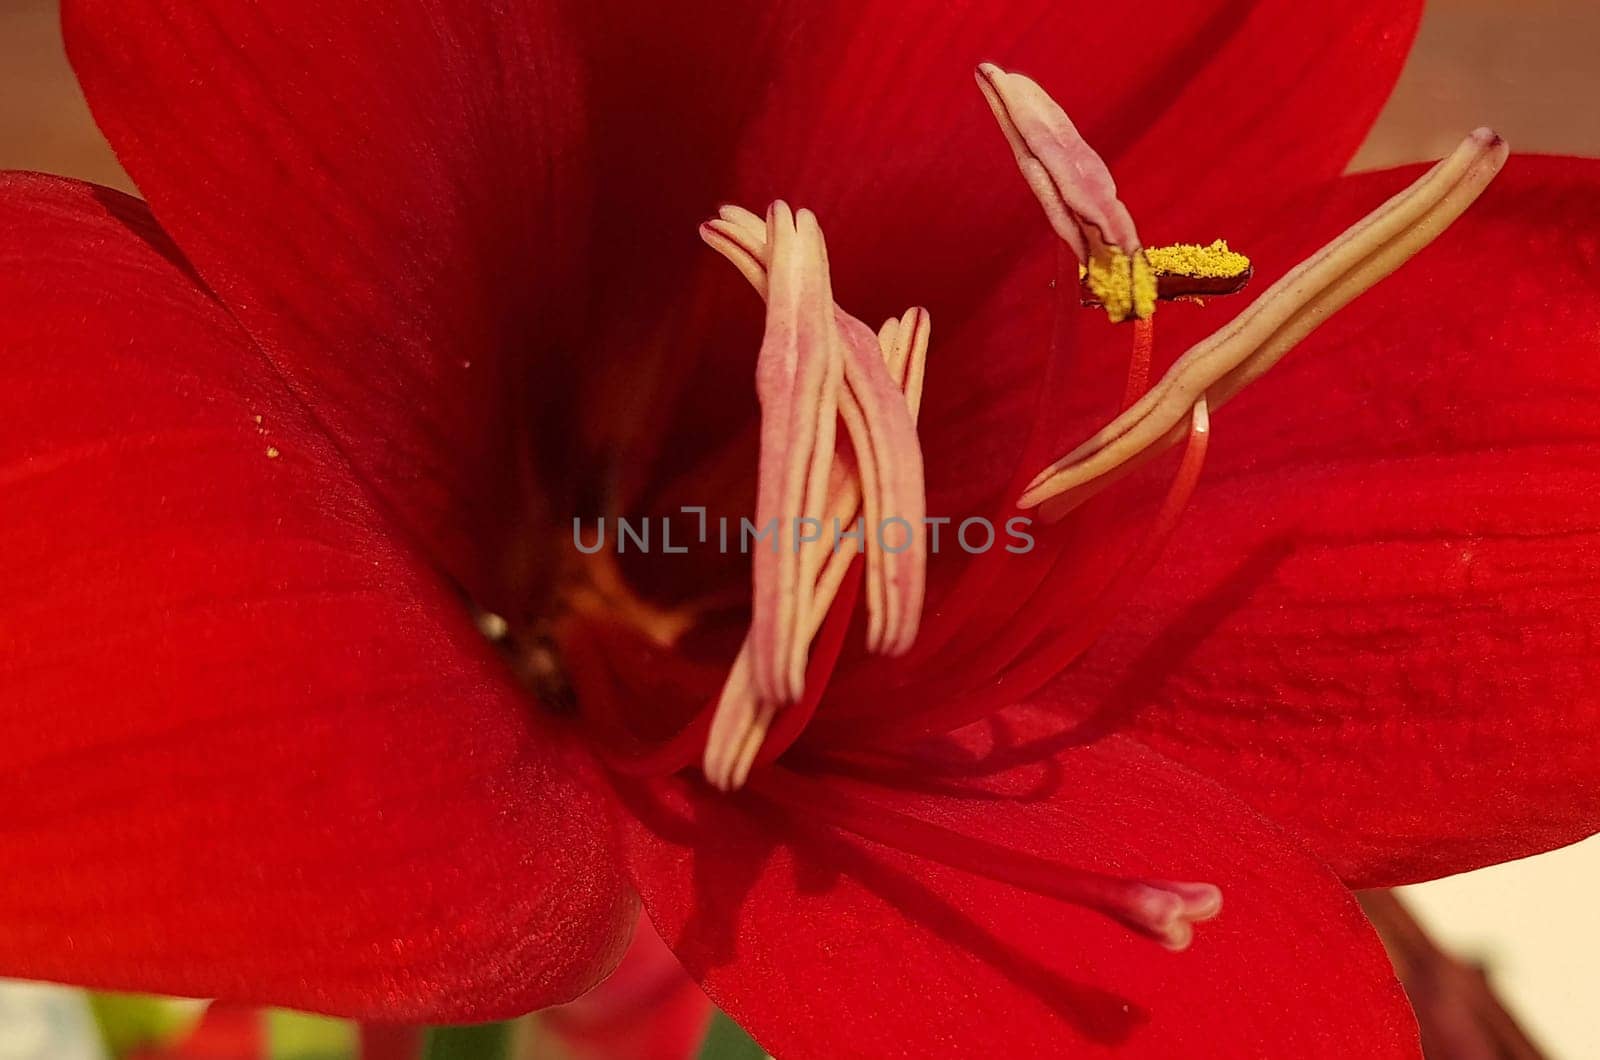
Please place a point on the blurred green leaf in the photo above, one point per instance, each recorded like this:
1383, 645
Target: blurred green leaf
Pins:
726, 1040
129, 1021
480, 1041
300, 1036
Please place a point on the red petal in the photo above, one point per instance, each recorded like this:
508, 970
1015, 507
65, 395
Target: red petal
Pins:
825, 945
1379, 624
249, 748
383, 196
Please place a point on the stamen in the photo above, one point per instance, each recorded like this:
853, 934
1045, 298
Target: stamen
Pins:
739, 717
1220, 366
883, 393
904, 346
877, 395
1076, 190
1163, 910
604, 696
905, 353
1144, 337
889, 489
767, 734
798, 378
950, 622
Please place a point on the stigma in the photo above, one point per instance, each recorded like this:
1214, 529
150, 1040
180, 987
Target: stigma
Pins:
1078, 194
823, 496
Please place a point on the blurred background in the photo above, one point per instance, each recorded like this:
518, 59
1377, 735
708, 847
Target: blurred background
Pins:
1531, 69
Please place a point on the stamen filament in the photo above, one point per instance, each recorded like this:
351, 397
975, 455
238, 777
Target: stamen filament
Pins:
1064, 645
603, 696
1144, 337
753, 735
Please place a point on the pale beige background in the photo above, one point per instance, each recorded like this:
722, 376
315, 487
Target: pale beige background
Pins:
44, 123
1531, 69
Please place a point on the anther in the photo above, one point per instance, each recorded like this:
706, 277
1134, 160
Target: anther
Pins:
1189, 272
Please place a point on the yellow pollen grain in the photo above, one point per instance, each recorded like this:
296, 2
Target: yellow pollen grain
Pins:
1144, 286
1213, 262
1125, 287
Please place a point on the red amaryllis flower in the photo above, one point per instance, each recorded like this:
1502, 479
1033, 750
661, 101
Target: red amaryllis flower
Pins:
418, 285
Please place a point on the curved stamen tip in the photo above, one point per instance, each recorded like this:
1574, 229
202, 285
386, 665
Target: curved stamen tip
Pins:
1167, 910
1076, 190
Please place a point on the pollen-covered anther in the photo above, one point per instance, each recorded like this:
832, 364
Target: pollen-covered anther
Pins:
876, 389
1077, 192
1189, 272
1220, 366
